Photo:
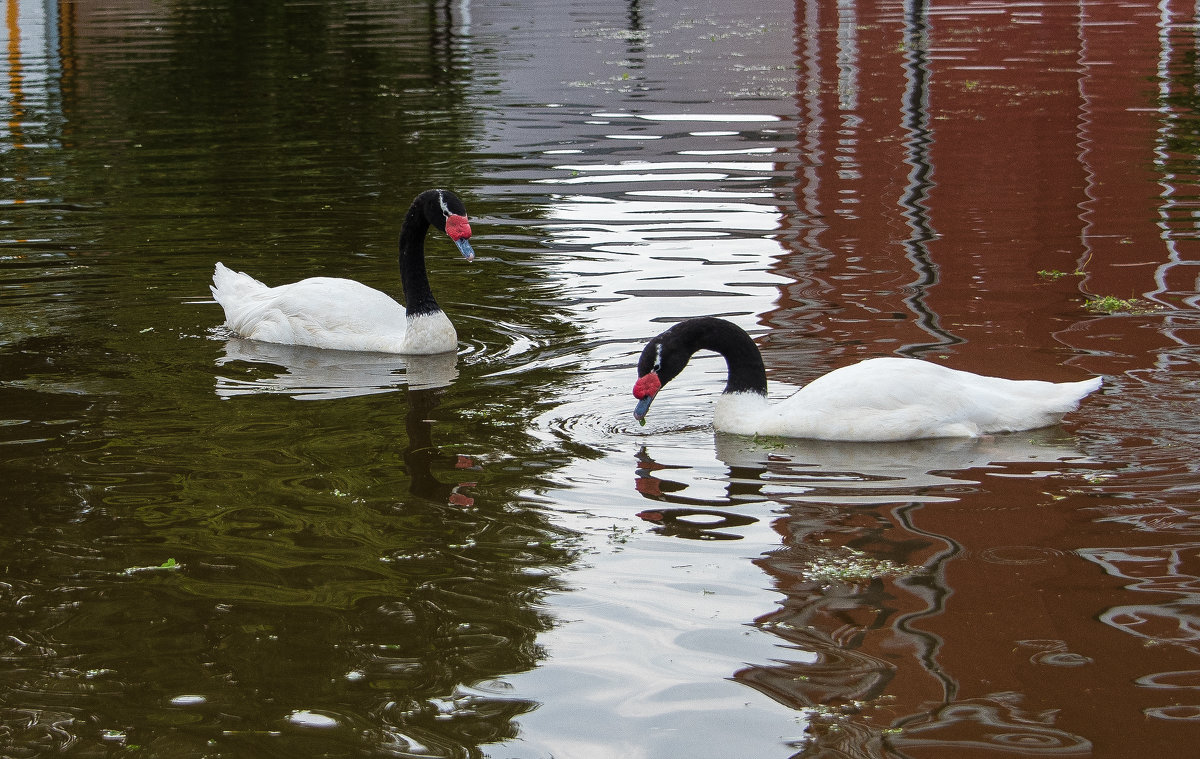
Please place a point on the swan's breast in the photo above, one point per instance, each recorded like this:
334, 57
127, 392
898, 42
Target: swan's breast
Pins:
741, 413
430, 333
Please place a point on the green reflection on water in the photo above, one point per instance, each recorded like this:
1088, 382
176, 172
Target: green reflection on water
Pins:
365, 557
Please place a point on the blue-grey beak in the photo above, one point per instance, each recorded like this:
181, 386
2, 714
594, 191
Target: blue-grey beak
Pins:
639, 412
465, 248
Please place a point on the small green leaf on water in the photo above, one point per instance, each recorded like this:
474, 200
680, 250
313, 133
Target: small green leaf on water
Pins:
642, 421
1110, 304
168, 564
1056, 274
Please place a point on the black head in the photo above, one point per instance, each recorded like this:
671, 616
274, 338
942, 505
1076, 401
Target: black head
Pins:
663, 358
666, 355
446, 212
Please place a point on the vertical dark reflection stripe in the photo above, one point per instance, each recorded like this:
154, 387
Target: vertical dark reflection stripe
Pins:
920, 179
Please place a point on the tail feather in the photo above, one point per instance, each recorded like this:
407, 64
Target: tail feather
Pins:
1013, 405
229, 285
1074, 392
1056, 400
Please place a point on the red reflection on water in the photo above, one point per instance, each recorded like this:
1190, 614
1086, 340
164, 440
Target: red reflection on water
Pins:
961, 151
975, 174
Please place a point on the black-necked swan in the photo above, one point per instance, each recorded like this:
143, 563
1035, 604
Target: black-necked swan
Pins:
341, 314
876, 400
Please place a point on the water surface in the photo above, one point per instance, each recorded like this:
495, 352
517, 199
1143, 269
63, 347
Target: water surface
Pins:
216, 547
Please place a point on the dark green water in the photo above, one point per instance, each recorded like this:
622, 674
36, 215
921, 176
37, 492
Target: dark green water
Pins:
322, 553
216, 548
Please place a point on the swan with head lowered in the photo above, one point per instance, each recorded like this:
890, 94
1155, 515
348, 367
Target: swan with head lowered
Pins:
341, 314
876, 400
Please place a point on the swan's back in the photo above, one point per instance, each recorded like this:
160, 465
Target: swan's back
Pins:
906, 399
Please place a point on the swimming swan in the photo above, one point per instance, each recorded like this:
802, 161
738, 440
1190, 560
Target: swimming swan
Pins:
879, 399
341, 314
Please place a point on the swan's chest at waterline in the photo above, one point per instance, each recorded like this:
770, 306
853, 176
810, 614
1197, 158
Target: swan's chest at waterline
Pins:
741, 413
430, 333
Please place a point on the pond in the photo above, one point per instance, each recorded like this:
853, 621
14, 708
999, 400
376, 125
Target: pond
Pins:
216, 547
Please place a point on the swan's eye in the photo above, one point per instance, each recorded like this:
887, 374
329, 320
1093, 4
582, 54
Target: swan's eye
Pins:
457, 227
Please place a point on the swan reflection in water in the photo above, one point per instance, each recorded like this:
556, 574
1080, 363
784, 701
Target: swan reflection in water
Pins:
819, 471
422, 453
830, 501
895, 466
320, 374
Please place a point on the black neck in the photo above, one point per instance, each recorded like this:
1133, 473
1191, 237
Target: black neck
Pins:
742, 359
418, 298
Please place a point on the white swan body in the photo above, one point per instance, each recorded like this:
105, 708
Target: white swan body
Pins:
884, 399
880, 399
341, 314
328, 312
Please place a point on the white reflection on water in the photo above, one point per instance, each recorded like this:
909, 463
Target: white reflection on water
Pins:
685, 177
779, 472
1167, 570
719, 118
312, 374
685, 219
673, 165
996, 723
